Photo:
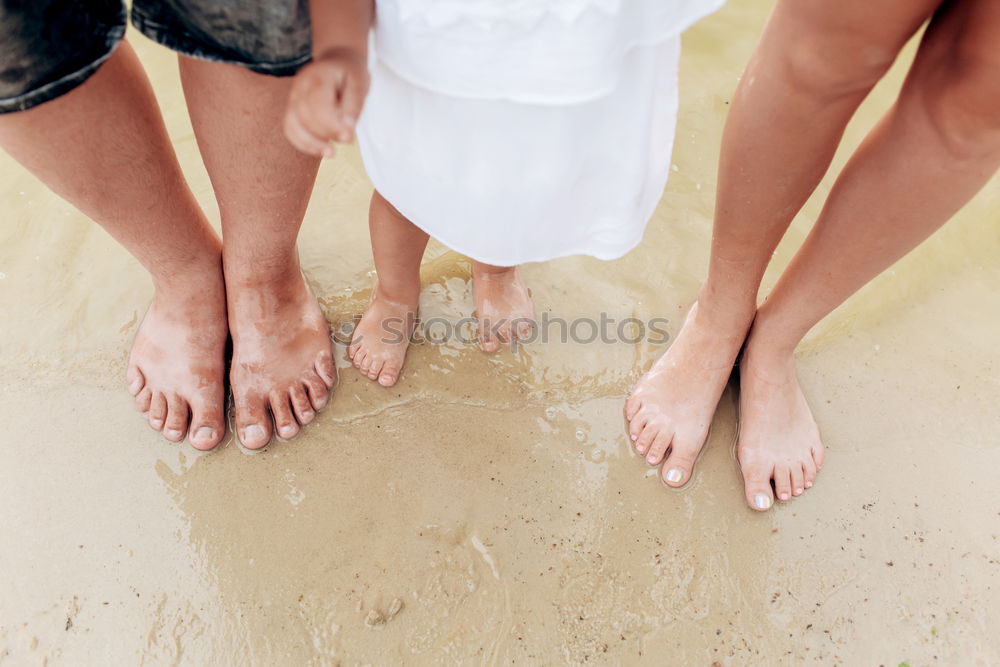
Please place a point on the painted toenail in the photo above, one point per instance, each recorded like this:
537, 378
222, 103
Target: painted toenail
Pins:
798, 492
762, 501
675, 475
172, 433
809, 485
651, 458
783, 496
204, 434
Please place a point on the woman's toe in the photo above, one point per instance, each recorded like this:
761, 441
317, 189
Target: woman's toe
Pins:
658, 448
757, 486
679, 464
798, 480
782, 482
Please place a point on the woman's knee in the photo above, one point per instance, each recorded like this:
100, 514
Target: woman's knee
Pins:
962, 99
833, 73
836, 49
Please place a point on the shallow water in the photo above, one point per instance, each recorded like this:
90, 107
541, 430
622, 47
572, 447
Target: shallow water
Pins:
490, 510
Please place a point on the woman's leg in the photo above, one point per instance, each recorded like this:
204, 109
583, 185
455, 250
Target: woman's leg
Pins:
934, 149
503, 306
378, 346
282, 352
815, 63
103, 147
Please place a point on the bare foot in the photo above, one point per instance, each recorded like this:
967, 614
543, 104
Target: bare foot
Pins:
779, 440
503, 306
176, 369
282, 355
378, 346
671, 407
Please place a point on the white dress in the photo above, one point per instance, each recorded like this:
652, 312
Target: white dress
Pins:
524, 130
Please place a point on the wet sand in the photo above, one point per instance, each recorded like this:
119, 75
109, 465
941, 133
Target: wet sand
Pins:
490, 510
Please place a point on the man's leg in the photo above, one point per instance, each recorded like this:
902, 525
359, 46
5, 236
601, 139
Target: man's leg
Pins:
815, 63
282, 351
934, 149
104, 148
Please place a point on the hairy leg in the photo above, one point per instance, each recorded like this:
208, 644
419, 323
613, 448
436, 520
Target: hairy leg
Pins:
104, 148
933, 150
378, 347
282, 352
815, 63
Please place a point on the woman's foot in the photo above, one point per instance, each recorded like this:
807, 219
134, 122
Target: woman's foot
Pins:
671, 407
779, 441
176, 369
503, 306
282, 354
378, 346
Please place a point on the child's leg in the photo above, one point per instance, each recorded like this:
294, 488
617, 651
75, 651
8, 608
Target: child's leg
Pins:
381, 338
282, 352
934, 149
503, 306
104, 148
815, 63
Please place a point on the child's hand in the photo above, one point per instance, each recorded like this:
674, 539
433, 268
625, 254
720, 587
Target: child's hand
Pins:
325, 101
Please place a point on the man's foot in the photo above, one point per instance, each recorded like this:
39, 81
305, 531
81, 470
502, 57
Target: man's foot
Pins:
779, 441
176, 369
282, 355
671, 407
504, 308
378, 346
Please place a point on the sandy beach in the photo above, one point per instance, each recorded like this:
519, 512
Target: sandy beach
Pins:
489, 509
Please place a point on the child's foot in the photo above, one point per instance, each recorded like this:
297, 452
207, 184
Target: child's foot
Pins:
382, 337
503, 306
176, 369
779, 440
671, 407
282, 354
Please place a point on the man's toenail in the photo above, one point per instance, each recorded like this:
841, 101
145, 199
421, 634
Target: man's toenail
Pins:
157, 423
287, 431
675, 475
204, 434
172, 433
253, 433
762, 501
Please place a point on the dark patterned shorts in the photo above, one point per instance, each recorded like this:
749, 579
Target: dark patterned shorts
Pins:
49, 47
